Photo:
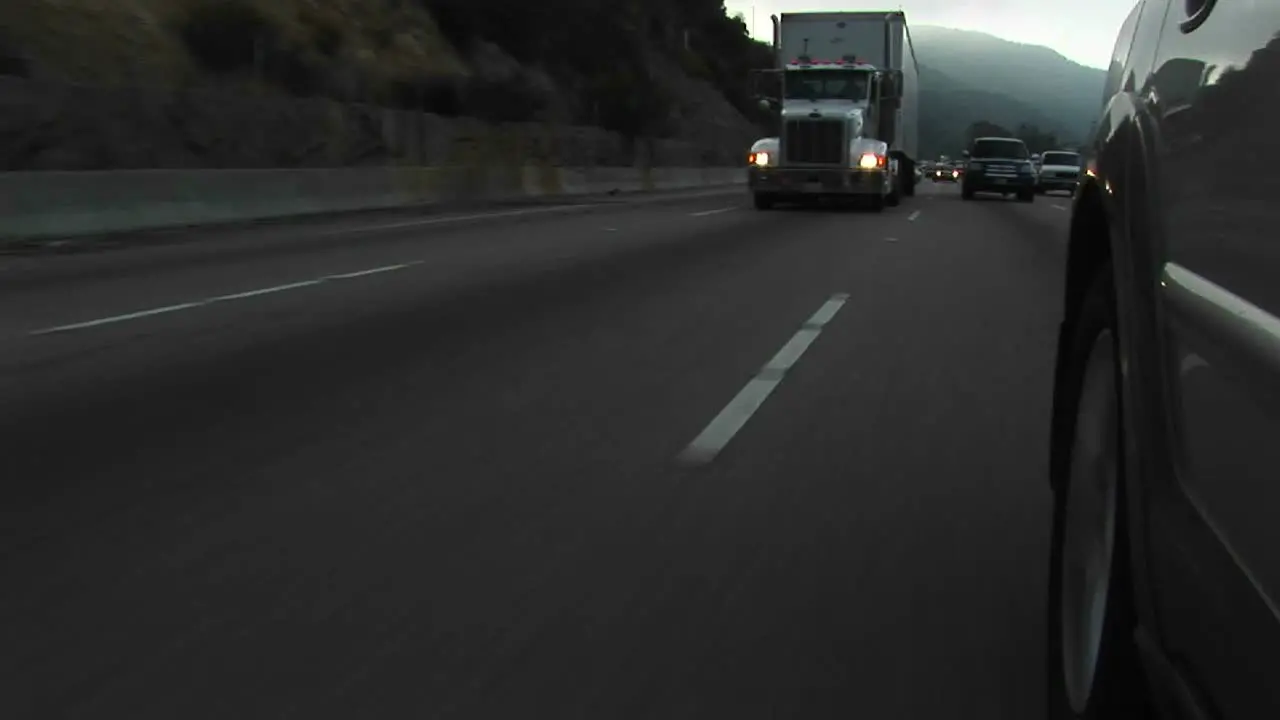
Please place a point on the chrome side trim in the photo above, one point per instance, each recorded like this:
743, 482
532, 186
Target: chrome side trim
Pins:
1213, 310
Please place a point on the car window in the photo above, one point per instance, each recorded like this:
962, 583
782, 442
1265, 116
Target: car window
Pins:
1061, 158
999, 149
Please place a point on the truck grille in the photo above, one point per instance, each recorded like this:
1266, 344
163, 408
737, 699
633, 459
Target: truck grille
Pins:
814, 141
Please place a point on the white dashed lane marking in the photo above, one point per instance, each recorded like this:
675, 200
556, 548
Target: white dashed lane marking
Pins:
708, 444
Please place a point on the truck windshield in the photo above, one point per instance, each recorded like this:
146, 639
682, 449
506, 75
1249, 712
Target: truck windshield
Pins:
1061, 158
827, 85
1003, 149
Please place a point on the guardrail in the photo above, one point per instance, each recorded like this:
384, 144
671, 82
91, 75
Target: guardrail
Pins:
63, 204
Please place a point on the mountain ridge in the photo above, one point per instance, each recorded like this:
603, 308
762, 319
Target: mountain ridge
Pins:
993, 79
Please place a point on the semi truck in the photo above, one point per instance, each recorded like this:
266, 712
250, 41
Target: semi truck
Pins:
847, 110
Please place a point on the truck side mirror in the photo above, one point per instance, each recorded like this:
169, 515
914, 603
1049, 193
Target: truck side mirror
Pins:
891, 87
884, 88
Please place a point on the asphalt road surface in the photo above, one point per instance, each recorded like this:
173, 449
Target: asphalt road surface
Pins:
656, 458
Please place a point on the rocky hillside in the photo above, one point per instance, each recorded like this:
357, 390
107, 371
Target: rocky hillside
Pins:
643, 70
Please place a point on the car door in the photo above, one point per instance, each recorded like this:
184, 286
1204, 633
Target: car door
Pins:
1213, 534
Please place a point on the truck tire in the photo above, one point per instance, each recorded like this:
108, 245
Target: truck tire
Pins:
909, 188
764, 201
892, 199
966, 193
876, 203
1027, 196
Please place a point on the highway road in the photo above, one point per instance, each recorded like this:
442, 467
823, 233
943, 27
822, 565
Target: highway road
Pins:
663, 457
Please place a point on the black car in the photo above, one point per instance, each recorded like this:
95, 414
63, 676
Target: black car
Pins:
1165, 444
944, 173
999, 165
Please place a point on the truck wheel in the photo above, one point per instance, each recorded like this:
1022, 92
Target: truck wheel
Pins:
1026, 196
909, 187
764, 201
877, 203
966, 193
892, 199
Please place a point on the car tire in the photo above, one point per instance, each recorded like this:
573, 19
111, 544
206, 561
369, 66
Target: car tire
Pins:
764, 201
1093, 672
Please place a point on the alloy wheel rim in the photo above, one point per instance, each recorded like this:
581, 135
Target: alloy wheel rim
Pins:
1088, 548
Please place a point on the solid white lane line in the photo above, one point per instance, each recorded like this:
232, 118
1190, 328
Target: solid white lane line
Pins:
912, 217
717, 434
220, 298
117, 318
522, 211
264, 291
454, 219
717, 211
370, 271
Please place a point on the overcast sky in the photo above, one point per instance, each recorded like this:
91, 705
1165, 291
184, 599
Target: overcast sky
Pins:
1082, 30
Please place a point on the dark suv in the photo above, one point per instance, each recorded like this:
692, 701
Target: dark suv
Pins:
998, 165
1165, 447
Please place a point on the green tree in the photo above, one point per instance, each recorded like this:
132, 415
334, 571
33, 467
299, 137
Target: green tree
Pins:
1037, 140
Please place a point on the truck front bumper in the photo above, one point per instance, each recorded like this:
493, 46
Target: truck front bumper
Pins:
818, 181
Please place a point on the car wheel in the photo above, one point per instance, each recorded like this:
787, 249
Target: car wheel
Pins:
1092, 663
764, 201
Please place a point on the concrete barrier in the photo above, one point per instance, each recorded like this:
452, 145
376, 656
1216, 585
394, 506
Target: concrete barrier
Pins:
63, 204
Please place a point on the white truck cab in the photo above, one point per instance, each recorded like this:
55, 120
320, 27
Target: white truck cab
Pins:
847, 120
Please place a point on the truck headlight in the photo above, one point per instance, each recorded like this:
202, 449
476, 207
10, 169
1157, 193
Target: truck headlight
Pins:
870, 161
759, 159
